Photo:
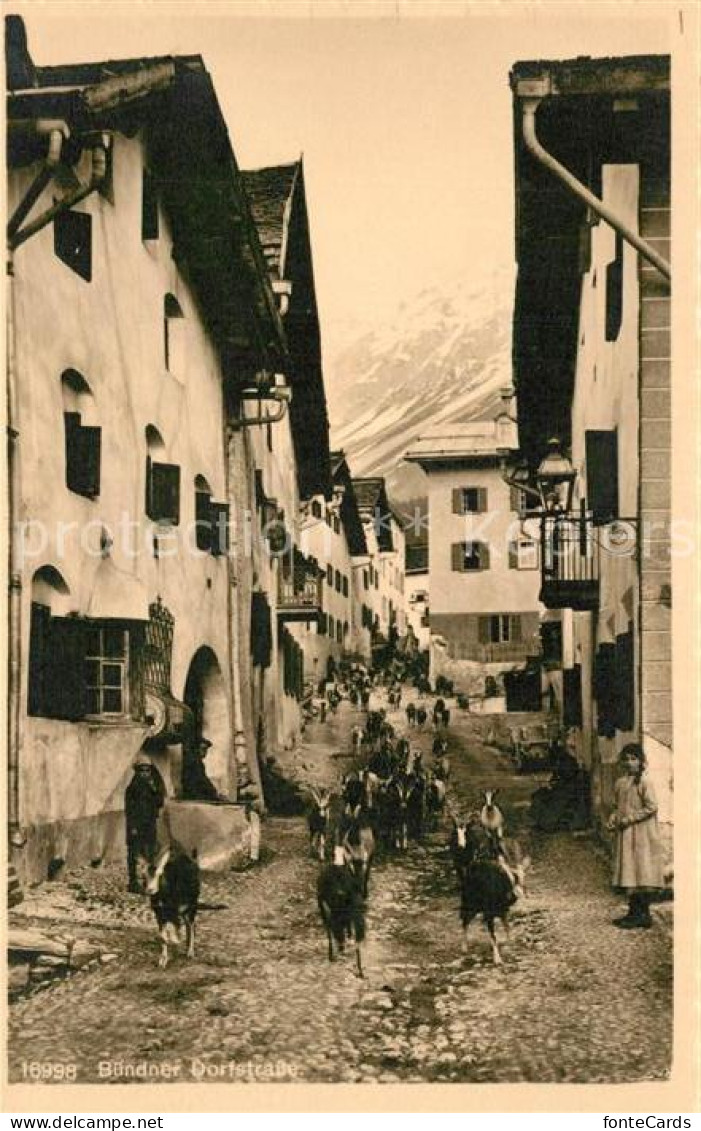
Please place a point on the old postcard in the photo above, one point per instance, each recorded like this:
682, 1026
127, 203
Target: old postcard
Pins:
352, 556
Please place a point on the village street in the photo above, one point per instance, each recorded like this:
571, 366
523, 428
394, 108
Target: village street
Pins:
576, 1000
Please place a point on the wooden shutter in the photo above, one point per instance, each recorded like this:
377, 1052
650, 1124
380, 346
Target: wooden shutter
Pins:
220, 529
483, 551
481, 500
515, 498
457, 556
484, 625
39, 657
602, 474
605, 689
625, 681
149, 207
165, 493
64, 684
515, 629
261, 632
203, 521
73, 242
572, 696
513, 555
614, 293
458, 501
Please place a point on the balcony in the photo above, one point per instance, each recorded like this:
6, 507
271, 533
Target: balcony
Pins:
570, 562
299, 592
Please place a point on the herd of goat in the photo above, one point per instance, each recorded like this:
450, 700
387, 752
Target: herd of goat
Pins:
391, 799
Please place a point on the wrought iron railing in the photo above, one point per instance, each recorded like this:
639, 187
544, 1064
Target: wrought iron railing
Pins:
569, 561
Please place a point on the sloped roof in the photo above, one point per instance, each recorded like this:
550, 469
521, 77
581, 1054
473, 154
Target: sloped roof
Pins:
477, 438
172, 100
373, 503
350, 514
270, 192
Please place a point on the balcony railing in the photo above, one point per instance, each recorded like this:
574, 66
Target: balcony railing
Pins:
299, 596
569, 562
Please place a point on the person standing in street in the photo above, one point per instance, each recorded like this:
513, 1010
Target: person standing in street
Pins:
143, 801
637, 858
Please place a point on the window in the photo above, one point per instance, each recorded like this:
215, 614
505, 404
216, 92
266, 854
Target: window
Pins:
339, 632
469, 557
344, 585
107, 671
211, 521
173, 335
366, 580
79, 668
601, 449
469, 500
149, 207
73, 242
338, 581
551, 641
329, 576
332, 627
317, 509
614, 293
163, 492
83, 446
523, 554
499, 628
336, 524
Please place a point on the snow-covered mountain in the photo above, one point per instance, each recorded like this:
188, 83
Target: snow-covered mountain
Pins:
443, 357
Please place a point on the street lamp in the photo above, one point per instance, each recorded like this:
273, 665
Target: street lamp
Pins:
264, 387
555, 479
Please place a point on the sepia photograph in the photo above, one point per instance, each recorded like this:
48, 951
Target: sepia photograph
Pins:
341, 539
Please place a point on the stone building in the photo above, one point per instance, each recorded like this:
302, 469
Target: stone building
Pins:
140, 310
592, 366
483, 571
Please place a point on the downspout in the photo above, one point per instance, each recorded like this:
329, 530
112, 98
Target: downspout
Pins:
99, 169
19, 236
529, 107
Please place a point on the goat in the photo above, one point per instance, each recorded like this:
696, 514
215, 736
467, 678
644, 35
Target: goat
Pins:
410, 714
340, 901
358, 839
421, 716
352, 791
487, 888
438, 710
491, 816
435, 798
395, 799
172, 880
318, 821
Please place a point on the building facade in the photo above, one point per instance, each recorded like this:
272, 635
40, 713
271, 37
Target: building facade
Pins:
592, 366
380, 581
483, 571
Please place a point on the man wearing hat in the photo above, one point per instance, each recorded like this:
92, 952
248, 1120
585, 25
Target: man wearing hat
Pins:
143, 799
196, 784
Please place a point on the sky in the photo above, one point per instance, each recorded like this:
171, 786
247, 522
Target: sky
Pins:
404, 120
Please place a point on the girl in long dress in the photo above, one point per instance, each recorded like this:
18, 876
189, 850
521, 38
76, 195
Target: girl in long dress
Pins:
637, 857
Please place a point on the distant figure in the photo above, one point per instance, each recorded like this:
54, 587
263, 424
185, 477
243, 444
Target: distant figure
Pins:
143, 801
196, 786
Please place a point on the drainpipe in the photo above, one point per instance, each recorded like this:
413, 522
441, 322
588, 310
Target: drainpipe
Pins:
57, 131
99, 169
529, 107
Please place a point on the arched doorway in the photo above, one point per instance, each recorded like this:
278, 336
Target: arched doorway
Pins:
205, 695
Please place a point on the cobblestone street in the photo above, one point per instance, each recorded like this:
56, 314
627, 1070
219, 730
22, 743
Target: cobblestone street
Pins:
576, 1000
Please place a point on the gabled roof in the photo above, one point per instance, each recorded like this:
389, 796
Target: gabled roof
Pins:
593, 112
371, 493
448, 442
270, 193
279, 205
172, 101
350, 514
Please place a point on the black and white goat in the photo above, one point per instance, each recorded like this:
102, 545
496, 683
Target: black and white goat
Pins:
172, 880
318, 821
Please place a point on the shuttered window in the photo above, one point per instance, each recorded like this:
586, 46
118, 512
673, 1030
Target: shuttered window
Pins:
614, 293
261, 631
73, 242
469, 500
149, 207
605, 689
203, 520
469, 557
499, 628
602, 475
80, 668
163, 492
83, 446
572, 696
625, 681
